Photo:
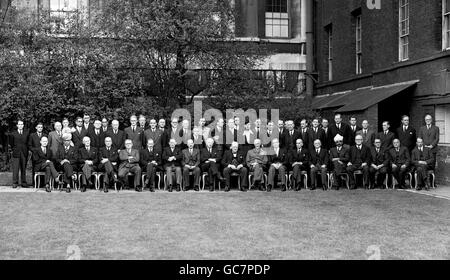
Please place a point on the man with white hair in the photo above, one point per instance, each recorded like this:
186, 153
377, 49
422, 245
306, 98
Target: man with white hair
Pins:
88, 159
291, 135
299, 160
340, 155
172, 157
234, 162
256, 161
210, 163
55, 139
67, 158
134, 133
191, 163
174, 133
142, 122
278, 161
109, 159
97, 135
117, 136
422, 159
129, 163
42, 159
360, 160
318, 163
185, 133
150, 161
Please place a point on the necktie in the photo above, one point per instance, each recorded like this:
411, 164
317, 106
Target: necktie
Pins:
292, 132
20, 132
79, 130
97, 132
115, 131
317, 151
365, 133
315, 130
39, 135
339, 126
190, 151
209, 150
299, 151
44, 150
67, 149
378, 151
151, 150
359, 148
339, 150
398, 150
429, 126
87, 149
404, 128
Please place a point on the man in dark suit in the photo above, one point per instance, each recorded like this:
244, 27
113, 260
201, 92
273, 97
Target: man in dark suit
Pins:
354, 128
379, 164
318, 162
172, 133
67, 158
108, 163
191, 163
278, 161
340, 128
218, 133
340, 156
291, 135
360, 159
326, 144
430, 135
117, 136
151, 162
55, 141
105, 126
162, 125
422, 159
42, 161
315, 133
34, 141
197, 138
407, 134
155, 134
87, 126
234, 162
400, 161
79, 133
97, 135
185, 134
143, 122
299, 161
129, 163
367, 133
18, 141
88, 160
210, 163
304, 133
386, 137
231, 134
134, 133
172, 157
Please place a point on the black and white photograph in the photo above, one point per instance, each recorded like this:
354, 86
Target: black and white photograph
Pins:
252, 131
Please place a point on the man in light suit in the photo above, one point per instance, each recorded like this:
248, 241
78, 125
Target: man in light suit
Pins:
191, 163
367, 134
155, 134
430, 135
422, 159
55, 141
129, 163
18, 141
134, 133
150, 161
407, 134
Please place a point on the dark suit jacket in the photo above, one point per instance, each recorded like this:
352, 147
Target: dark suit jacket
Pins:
304, 137
167, 153
71, 155
118, 139
344, 131
296, 156
367, 139
407, 138
170, 134
155, 136
112, 155
282, 157
313, 136
198, 143
360, 157
192, 160
77, 138
430, 136
327, 139
84, 155
379, 158
123, 157
343, 154
400, 158
353, 134
54, 142
205, 155
230, 137
386, 140
289, 141
136, 137
34, 141
97, 141
321, 159
228, 158
146, 156
426, 155
221, 134
19, 143
39, 158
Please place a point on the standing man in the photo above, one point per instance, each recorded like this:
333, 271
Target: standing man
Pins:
234, 161
340, 128
379, 164
129, 163
386, 137
55, 139
304, 132
210, 163
315, 133
87, 126
340, 156
172, 158
134, 133
281, 130
162, 125
191, 163
326, 144
67, 158
97, 135
155, 134
109, 159
34, 140
42, 158
79, 133
422, 159
291, 135
18, 141
367, 134
231, 134
88, 159
299, 160
430, 135
218, 133
360, 159
185, 134
400, 162
105, 125
172, 133
117, 136
142, 122
318, 163
278, 161
150, 160
407, 134
354, 128
256, 161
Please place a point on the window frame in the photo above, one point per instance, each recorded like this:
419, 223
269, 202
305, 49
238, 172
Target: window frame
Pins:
358, 47
442, 120
282, 18
445, 26
329, 32
403, 54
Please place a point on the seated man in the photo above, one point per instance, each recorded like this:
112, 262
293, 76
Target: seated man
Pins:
68, 157
234, 161
42, 159
400, 161
172, 157
423, 160
150, 160
109, 158
278, 160
340, 155
88, 160
210, 158
299, 160
318, 163
380, 164
360, 159
256, 161
129, 163
191, 163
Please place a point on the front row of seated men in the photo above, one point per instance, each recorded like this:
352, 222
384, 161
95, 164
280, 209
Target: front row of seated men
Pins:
373, 163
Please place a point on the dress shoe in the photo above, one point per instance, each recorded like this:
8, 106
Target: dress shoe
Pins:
211, 188
325, 188
138, 189
243, 189
197, 188
178, 188
68, 190
14, 186
47, 188
170, 188
269, 188
105, 189
152, 189
83, 189
313, 188
283, 188
227, 189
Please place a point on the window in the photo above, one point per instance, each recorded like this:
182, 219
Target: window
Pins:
358, 45
446, 24
329, 32
277, 19
443, 122
403, 30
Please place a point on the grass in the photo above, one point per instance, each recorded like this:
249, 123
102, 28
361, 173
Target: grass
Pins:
253, 225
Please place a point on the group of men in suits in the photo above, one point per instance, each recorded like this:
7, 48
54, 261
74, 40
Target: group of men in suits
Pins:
224, 152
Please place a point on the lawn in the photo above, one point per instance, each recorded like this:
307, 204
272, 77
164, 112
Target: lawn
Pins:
253, 225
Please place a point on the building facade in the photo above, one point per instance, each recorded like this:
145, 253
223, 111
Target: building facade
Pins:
379, 60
